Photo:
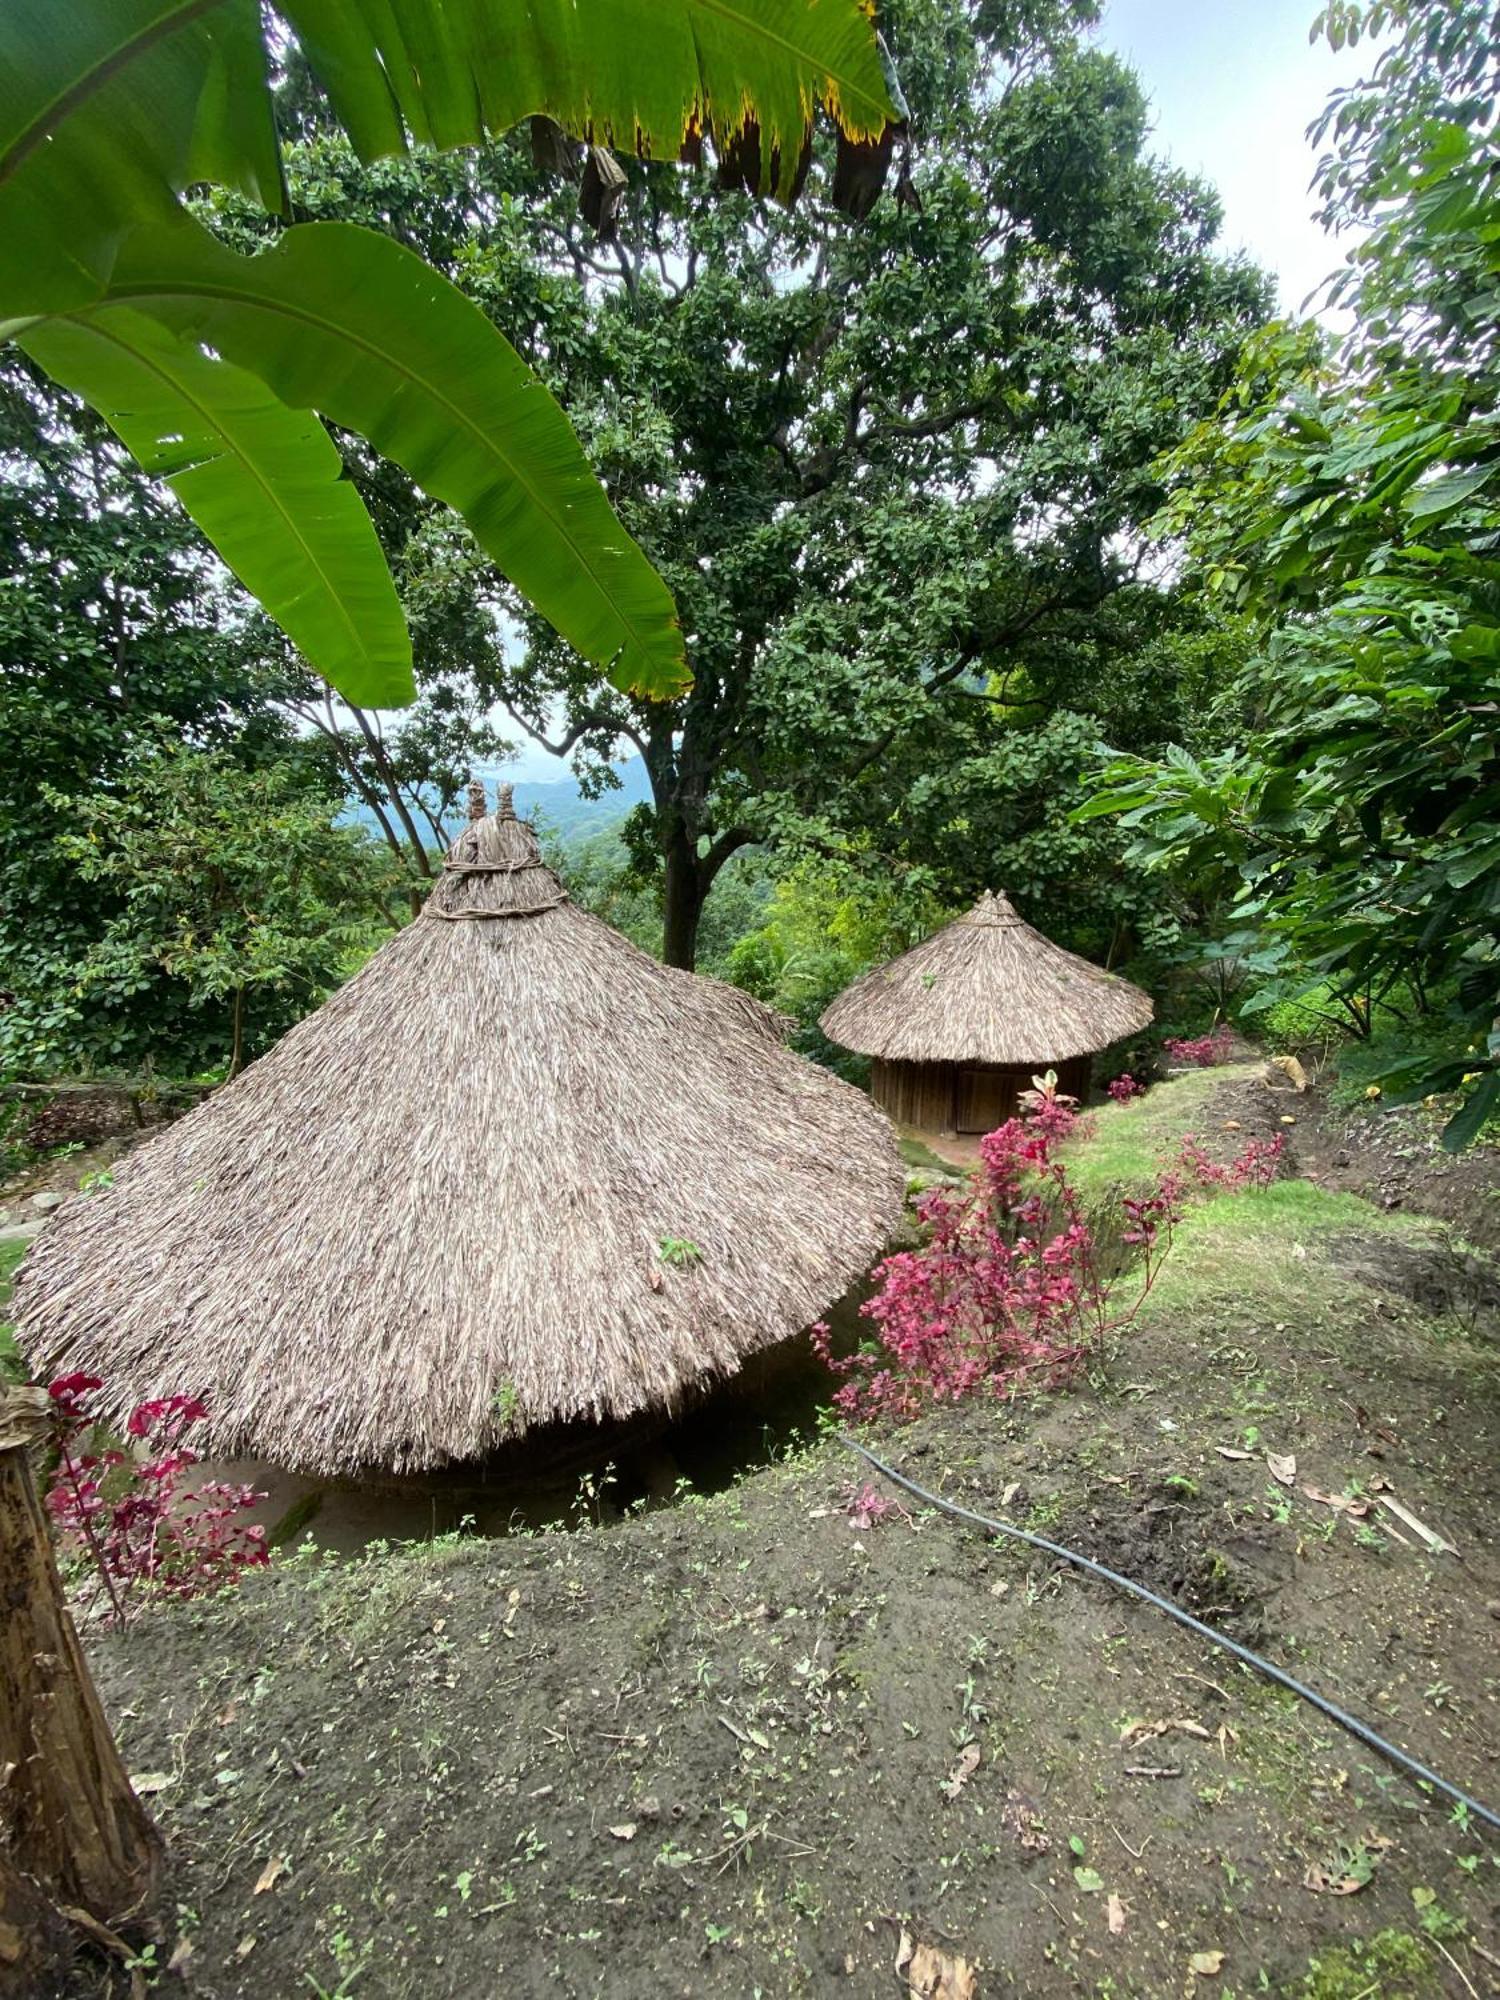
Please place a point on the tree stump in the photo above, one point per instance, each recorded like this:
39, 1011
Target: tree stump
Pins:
68, 1816
36, 1946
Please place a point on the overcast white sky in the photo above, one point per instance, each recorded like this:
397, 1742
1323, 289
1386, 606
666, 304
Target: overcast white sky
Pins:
1235, 84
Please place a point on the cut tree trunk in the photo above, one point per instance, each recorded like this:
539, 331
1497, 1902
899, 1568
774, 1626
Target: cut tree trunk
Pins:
36, 1946
67, 1812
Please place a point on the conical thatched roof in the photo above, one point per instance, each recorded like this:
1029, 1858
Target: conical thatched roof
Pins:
434, 1214
986, 989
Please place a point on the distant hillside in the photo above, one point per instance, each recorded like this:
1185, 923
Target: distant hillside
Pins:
557, 805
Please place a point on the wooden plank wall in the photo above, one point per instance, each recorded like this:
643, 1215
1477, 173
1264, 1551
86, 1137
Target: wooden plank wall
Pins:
948, 1097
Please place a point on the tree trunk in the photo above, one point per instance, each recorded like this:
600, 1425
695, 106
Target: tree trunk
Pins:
237, 1054
36, 1945
66, 1807
682, 901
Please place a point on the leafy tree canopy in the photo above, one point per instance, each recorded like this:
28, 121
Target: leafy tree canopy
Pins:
1350, 504
880, 469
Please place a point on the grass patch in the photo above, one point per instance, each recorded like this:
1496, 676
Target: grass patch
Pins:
1132, 1143
922, 1158
12, 1368
1262, 1251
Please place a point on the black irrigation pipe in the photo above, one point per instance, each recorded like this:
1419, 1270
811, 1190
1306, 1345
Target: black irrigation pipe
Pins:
1329, 1708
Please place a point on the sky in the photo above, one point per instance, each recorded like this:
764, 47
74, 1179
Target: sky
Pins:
1234, 84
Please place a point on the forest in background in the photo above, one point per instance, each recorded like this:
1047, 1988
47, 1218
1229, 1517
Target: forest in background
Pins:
1013, 540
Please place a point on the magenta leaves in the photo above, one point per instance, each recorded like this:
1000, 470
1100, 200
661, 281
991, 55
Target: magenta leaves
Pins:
1009, 1288
119, 1507
1012, 1287
1124, 1088
1202, 1051
1256, 1167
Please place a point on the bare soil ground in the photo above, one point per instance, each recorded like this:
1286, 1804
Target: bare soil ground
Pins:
745, 1746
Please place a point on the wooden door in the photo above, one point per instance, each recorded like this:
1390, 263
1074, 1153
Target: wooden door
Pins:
986, 1098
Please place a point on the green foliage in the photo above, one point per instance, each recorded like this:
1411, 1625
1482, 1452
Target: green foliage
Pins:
230, 885
112, 630
820, 929
896, 479
1353, 510
110, 110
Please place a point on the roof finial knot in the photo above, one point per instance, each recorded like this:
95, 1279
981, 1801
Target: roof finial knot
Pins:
505, 807
478, 806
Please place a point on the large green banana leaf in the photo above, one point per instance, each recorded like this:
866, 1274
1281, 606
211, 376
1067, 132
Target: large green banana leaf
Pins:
263, 482
345, 321
110, 108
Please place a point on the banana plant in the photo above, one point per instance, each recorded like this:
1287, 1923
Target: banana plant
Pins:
216, 370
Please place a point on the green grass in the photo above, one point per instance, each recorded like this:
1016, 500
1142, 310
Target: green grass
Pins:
921, 1157
1262, 1251
11, 1364
1132, 1142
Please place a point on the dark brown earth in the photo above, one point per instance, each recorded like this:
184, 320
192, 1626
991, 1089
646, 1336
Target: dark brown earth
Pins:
740, 1745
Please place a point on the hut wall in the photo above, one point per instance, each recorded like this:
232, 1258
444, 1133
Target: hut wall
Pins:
963, 1097
918, 1094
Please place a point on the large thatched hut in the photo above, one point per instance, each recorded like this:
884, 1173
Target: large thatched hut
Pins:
514, 1172
959, 1025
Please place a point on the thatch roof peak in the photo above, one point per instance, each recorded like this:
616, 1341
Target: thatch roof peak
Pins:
434, 1214
495, 867
993, 907
988, 988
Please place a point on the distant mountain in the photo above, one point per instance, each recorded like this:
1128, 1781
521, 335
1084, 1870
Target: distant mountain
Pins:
561, 810
557, 805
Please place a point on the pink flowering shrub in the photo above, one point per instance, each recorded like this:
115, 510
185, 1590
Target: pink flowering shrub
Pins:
1009, 1287
1202, 1051
119, 1507
1124, 1088
1257, 1166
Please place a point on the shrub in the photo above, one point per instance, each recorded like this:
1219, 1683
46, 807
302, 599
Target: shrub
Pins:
1123, 1088
117, 1509
1257, 1166
1202, 1051
1009, 1286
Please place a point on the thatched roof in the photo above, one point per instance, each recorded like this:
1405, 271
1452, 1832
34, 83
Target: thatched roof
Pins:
986, 989
433, 1215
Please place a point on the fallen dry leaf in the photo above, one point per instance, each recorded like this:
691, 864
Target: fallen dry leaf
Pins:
271, 1874
1182, 1725
244, 1948
932, 1974
1231, 1451
1292, 1070
182, 1951
1329, 1882
1206, 1963
1022, 1820
1114, 1911
151, 1781
962, 1771
1282, 1466
627, 1831
1339, 1502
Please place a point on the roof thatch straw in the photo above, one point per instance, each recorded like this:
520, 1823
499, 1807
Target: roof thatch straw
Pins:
514, 1171
986, 989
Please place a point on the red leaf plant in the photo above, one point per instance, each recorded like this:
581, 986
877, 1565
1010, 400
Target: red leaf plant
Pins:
1202, 1051
1257, 1166
1009, 1288
118, 1507
1124, 1088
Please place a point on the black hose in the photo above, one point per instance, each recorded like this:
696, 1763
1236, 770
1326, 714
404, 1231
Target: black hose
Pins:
1273, 1673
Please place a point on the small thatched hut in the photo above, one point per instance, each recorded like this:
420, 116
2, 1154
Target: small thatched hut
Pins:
959, 1026
514, 1172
